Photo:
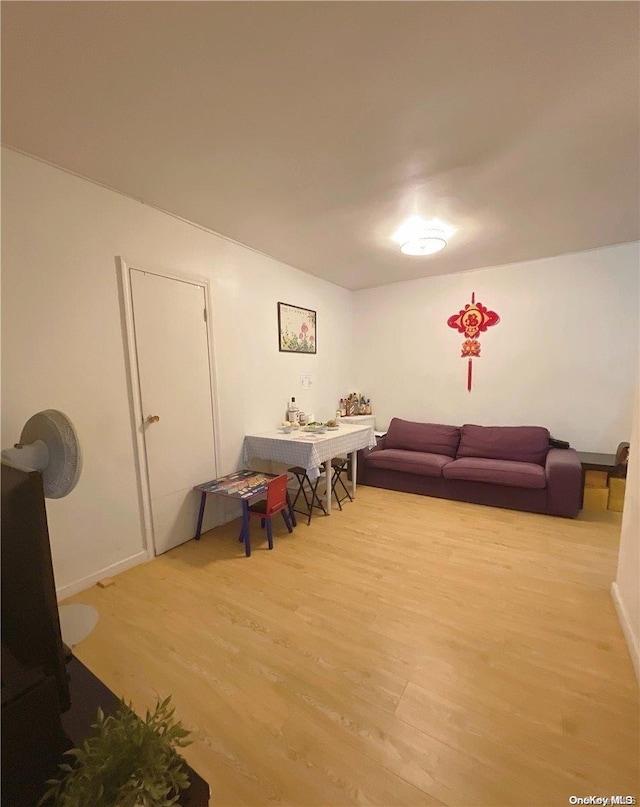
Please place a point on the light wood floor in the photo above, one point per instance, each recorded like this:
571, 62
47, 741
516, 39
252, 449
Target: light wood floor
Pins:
407, 651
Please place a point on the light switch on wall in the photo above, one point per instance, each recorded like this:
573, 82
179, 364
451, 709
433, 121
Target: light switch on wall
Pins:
306, 381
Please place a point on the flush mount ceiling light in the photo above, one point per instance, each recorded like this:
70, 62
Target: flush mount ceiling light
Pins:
419, 237
425, 245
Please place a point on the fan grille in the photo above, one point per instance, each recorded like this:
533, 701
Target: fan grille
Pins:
65, 462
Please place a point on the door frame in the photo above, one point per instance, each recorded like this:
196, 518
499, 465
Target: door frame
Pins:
135, 394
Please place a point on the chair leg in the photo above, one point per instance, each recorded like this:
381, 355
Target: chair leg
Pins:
311, 499
269, 533
316, 498
344, 487
262, 523
292, 515
333, 489
334, 492
298, 492
337, 478
310, 510
301, 489
287, 520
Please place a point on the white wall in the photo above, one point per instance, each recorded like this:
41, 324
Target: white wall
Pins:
562, 356
626, 589
559, 357
63, 348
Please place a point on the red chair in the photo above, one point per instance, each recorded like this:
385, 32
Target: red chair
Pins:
276, 502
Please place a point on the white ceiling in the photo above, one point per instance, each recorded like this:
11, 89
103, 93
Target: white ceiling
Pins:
310, 130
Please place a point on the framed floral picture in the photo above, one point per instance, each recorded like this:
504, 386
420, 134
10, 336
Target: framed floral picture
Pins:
296, 329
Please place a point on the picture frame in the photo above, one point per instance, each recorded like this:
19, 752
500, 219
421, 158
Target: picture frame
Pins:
296, 329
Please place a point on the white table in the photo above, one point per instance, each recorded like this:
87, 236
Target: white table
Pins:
359, 420
310, 450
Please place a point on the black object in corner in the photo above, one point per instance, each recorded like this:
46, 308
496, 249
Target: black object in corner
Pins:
558, 443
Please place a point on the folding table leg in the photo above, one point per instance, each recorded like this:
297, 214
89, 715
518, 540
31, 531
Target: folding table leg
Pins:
203, 499
246, 528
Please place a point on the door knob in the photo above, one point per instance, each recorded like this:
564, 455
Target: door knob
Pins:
153, 418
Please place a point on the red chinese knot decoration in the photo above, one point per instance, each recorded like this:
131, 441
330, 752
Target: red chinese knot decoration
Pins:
473, 320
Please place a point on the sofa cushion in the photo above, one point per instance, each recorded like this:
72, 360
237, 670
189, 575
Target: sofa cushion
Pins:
499, 472
515, 443
432, 438
410, 462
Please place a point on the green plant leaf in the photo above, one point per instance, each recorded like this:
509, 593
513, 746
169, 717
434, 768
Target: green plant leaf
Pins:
127, 762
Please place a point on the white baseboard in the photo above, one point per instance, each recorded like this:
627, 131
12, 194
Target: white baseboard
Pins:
109, 571
632, 640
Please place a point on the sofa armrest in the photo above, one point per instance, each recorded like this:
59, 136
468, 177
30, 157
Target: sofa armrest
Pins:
363, 453
564, 482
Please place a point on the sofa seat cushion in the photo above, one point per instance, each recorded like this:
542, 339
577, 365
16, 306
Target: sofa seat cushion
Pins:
516, 443
420, 463
498, 472
432, 438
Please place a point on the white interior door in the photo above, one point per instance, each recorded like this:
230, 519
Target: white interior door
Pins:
175, 387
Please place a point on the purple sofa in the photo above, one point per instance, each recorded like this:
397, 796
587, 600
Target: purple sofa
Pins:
502, 466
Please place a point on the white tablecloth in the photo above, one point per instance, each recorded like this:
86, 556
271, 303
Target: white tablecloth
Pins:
307, 450
359, 420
